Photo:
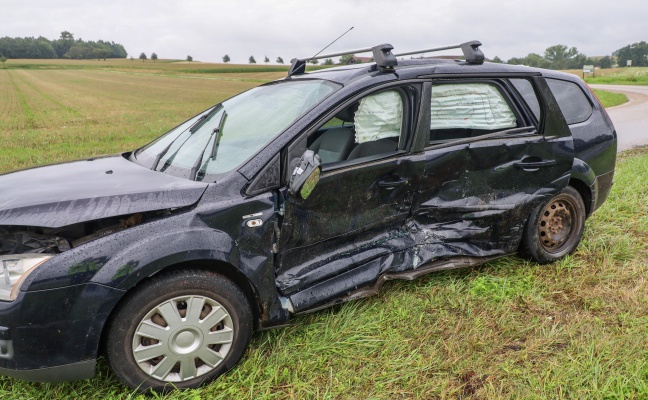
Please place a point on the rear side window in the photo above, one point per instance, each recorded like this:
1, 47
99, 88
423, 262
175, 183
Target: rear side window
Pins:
525, 88
465, 110
572, 101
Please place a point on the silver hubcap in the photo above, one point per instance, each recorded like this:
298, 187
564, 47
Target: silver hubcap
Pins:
183, 338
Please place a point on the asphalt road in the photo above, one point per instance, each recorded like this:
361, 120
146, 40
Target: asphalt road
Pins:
630, 119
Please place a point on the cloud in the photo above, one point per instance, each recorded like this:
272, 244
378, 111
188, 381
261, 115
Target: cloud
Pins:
209, 29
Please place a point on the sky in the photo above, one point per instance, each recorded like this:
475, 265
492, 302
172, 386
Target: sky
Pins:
209, 29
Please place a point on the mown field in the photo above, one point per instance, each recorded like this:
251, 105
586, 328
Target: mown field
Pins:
509, 329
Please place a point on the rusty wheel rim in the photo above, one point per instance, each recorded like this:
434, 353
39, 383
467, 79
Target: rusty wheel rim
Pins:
557, 224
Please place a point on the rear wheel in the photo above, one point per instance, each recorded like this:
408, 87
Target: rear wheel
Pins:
180, 330
554, 228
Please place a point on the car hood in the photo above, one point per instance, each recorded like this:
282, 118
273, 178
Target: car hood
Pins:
64, 194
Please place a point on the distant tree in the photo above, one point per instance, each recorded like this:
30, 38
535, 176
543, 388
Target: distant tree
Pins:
142, 57
102, 53
314, 62
347, 59
189, 58
561, 57
131, 58
252, 60
154, 57
64, 47
76, 52
65, 35
63, 44
3, 60
280, 60
266, 59
226, 59
497, 60
605, 62
637, 52
531, 60
328, 61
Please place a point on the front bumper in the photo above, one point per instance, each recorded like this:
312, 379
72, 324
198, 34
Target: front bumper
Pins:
53, 335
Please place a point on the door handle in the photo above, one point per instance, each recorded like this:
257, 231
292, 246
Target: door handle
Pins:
533, 165
391, 185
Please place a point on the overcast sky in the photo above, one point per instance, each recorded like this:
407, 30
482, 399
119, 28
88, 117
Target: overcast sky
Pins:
207, 30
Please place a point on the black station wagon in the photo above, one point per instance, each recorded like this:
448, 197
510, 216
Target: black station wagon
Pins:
290, 197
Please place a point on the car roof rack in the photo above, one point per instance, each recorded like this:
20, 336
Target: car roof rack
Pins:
386, 60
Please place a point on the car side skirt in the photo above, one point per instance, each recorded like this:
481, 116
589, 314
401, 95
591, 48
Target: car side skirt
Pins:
306, 301
60, 373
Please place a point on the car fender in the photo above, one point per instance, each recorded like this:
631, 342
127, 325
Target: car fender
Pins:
588, 186
151, 254
583, 172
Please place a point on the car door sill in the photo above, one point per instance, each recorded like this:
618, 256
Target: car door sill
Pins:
373, 289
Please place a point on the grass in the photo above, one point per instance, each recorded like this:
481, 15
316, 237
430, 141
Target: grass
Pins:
616, 76
609, 99
509, 329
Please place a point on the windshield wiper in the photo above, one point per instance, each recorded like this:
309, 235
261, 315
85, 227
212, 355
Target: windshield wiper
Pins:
217, 131
219, 135
204, 118
191, 129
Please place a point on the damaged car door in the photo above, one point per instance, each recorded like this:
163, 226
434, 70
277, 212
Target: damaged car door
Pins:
488, 163
347, 230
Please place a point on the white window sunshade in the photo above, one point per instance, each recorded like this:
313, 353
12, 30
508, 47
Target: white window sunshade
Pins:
379, 116
470, 106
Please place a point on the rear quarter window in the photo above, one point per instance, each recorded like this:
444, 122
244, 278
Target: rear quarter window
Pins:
572, 101
525, 88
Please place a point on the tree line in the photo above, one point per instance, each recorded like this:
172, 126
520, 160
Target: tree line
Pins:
64, 47
562, 57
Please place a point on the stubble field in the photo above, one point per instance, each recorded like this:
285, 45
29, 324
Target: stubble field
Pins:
509, 329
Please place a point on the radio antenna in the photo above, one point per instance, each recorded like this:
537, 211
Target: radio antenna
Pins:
329, 45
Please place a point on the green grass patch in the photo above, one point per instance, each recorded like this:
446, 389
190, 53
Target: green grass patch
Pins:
621, 76
609, 99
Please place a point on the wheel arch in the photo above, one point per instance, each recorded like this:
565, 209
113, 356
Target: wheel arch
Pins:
221, 267
227, 270
582, 179
585, 193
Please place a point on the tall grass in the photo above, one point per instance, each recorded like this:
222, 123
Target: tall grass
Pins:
620, 76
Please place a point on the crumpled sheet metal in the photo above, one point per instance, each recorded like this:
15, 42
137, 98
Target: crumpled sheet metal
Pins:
414, 244
437, 230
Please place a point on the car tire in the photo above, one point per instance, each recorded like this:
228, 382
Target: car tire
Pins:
554, 228
179, 331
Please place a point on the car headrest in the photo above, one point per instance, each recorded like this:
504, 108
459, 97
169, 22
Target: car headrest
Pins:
348, 114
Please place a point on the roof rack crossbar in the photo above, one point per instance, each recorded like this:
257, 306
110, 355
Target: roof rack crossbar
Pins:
450, 47
381, 54
470, 49
386, 60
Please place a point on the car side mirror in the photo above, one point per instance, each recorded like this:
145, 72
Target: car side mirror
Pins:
305, 175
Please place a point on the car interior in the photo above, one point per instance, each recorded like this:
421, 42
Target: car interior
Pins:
338, 140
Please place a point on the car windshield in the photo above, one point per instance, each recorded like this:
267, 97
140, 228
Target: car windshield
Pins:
226, 135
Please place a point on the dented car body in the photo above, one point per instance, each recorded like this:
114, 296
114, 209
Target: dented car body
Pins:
423, 166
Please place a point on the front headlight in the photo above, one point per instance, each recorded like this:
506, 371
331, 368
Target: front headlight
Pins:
14, 269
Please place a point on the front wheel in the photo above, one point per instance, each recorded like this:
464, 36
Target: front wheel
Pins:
179, 330
554, 228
